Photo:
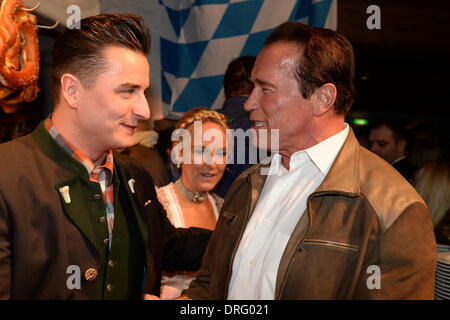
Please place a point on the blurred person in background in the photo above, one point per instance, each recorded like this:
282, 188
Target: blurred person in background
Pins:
24, 122
424, 143
432, 182
164, 147
17, 124
237, 86
388, 140
189, 201
145, 152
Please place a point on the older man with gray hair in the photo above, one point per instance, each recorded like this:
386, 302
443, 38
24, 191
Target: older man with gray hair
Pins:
331, 220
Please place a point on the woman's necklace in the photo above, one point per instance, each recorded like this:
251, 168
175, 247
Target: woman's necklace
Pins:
196, 197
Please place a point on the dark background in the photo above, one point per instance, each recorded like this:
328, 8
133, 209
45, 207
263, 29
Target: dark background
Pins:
402, 69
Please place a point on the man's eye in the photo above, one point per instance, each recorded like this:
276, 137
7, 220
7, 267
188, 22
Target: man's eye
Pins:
127, 92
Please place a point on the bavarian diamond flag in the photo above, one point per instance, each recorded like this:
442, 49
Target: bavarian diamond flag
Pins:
199, 38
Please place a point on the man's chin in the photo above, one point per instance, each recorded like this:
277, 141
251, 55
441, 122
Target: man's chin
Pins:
123, 143
261, 139
262, 142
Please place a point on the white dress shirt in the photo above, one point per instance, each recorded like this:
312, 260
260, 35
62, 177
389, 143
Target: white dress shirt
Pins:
279, 208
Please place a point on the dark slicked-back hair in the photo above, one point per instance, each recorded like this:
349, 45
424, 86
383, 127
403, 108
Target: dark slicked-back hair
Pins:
236, 81
79, 51
326, 57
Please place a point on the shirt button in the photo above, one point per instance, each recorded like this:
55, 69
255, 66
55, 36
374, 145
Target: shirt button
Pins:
108, 287
102, 220
111, 263
266, 222
106, 241
252, 261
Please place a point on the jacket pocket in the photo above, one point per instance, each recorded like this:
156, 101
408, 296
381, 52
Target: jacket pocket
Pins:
331, 244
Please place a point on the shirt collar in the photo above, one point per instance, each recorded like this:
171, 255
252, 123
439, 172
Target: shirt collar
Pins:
322, 155
108, 163
398, 159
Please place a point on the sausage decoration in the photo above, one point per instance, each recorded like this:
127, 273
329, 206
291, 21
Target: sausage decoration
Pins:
19, 53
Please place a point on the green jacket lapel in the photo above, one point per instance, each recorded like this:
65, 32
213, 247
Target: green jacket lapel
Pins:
52, 150
132, 195
74, 204
76, 209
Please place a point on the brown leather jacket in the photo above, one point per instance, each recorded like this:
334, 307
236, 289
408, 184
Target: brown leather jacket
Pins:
363, 218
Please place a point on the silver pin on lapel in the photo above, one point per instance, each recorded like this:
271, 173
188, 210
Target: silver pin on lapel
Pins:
131, 185
65, 193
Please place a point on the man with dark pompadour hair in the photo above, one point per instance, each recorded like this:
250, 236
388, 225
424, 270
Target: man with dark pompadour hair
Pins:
77, 221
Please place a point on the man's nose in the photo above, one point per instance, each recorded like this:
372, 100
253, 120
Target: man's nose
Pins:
252, 102
374, 148
142, 108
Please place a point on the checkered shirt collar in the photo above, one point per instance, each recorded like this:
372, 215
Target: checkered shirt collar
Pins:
107, 166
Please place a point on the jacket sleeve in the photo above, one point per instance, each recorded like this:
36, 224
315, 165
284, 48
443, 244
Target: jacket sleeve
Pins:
199, 287
5, 252
168, 248
401, 262
183, 248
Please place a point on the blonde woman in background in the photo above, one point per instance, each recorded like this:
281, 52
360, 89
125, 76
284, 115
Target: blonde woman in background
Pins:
432, 182
189, 201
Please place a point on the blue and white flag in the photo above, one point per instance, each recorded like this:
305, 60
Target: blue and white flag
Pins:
198, 39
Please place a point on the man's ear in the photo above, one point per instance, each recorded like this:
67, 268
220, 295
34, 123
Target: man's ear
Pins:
70, 89
401, 147
323, 99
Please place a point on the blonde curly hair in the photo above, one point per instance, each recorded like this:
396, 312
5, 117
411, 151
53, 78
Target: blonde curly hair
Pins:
202, 114
433, 184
